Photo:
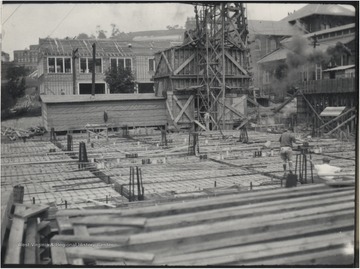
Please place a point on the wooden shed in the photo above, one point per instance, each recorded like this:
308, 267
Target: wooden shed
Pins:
73, 112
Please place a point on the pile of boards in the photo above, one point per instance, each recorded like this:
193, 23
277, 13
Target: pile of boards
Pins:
306, 225
25, 234
15, 133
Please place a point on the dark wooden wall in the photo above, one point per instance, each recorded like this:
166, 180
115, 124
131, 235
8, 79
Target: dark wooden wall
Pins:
75, 115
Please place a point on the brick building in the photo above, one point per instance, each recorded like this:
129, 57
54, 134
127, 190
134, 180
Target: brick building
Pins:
27, 58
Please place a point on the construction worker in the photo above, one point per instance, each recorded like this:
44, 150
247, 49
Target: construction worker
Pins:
286, 140
330, 174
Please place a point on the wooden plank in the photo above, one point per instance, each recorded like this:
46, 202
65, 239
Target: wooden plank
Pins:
271, 249
233, 110
113, 230
185, 63
342, 124
64, 225
58, 254
111, 255
14, 246
116, 240
167, 62
227, 228
246, 211
183, 108
324, 227
236, 63
110, 221
199, 124
229, 200
87, 212
332, 257
31, 241
6, 205
32, 211
81, 230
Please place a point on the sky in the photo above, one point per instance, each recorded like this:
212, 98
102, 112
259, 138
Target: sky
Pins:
23, 24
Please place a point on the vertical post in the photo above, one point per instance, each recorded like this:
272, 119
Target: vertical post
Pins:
138, 183
69, 143
74, 69
223, 62
93, 71
130, 183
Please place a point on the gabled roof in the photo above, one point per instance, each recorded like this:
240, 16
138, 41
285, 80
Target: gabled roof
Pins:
281, 53
277, 28
319, 9
339, 68
104, 47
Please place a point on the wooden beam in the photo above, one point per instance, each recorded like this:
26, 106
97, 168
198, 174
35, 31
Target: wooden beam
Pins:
101, 254
183, 109
180, 105
311, 107
201, 126
233, 110
182, 66
336, 118
14, 246
110, 221
167, 62
32, 241
236, 63
32, 211
342, 124
91, 239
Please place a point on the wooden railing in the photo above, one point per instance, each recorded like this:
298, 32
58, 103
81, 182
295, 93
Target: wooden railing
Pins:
339, 85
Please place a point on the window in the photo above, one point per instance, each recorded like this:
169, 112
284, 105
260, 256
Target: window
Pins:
122, 62
151, 65
59, 65
86, 65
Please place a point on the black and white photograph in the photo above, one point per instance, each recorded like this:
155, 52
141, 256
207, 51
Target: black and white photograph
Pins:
179, 134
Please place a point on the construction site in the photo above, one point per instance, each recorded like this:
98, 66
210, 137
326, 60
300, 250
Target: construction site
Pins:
190, 175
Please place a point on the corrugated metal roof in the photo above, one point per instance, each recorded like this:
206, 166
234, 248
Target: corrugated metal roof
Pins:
344, 67
282, 28
320, 9
98, 97
332, 111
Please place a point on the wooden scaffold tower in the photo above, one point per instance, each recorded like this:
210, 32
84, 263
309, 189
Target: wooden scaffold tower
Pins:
205, 80
221, 36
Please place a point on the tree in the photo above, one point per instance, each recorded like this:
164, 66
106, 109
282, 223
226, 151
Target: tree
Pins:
83, 36
100, 33
120, 80
115, 30
14, 87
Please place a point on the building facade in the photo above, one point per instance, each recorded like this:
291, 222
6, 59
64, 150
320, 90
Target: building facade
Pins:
304, 57
61, 73
27, 58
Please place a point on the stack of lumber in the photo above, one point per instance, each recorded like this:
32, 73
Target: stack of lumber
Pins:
307, 225
14, 133
27, 239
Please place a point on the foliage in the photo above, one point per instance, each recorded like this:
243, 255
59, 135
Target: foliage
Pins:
120, 80
14, 87
100, 33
